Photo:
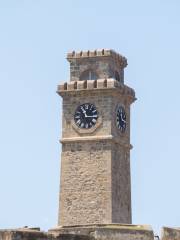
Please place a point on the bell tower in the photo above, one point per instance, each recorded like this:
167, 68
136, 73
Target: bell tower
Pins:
95, 183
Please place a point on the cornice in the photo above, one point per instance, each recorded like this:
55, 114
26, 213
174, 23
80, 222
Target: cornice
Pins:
95, 138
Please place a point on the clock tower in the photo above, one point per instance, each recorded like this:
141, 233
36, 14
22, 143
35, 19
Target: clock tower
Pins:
95, 185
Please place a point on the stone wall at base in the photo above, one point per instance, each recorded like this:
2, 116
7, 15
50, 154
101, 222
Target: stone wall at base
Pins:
30, 234
91, 232
108, 232
24, 234
170, 233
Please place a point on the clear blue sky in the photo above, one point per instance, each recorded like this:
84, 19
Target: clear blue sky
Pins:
35, 36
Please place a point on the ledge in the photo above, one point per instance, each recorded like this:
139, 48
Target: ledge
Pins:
95, 138
110, 226
86, 138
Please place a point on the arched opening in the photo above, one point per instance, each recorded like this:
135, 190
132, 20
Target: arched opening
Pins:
88, 75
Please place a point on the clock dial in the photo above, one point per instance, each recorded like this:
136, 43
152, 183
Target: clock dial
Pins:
86, 115
121, 119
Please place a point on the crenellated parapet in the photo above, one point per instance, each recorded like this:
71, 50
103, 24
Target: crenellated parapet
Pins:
98, 53
100, 84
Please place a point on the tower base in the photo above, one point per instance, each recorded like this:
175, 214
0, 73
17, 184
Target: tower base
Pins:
104, 232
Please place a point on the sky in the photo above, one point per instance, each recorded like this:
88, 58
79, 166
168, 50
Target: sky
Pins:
35, 36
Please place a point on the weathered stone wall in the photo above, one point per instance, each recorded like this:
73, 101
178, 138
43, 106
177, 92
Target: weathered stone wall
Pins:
121, 186
85, 183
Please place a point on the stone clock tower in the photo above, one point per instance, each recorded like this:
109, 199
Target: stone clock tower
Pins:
95, 189
95, 183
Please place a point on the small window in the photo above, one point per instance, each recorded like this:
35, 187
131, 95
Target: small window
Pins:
88, 75
117, 76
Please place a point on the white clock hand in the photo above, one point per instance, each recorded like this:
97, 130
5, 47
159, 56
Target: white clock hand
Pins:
122, 119
84, 111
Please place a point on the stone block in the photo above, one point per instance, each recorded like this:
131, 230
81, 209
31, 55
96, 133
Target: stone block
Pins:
70, 86
111, 83
80, 85
100, 83
90, 84
60, 88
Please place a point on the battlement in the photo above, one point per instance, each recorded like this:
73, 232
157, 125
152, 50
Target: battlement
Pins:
98, 53
96, 85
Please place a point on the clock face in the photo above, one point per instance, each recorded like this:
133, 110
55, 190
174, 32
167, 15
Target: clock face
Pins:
86, 115
121, 119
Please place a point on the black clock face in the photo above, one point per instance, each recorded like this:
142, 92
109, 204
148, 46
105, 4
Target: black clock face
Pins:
121, 119
86, 115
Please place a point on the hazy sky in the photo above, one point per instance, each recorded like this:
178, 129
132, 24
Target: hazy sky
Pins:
35, 36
